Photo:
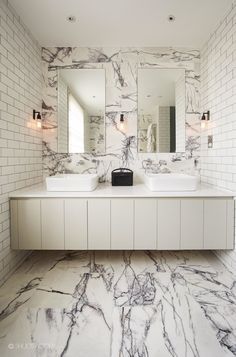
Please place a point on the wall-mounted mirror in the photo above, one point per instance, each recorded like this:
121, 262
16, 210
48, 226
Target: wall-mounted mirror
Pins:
81, 111
161, 110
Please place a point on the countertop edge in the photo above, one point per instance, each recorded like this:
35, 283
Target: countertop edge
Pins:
108, 191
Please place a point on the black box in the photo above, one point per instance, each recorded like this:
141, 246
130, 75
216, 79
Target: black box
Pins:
122, 177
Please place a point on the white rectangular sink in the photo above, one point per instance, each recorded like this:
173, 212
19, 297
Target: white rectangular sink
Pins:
171, 182
72, 182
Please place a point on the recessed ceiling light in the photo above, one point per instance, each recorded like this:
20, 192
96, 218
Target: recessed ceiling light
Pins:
171, 18
94, 96
71, 18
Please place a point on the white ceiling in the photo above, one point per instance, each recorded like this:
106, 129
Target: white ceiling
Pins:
123, 22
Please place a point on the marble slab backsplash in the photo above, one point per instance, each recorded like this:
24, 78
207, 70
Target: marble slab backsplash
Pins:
121, 68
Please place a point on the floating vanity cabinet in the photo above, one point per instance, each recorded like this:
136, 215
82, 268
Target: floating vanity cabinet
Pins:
76, 224
52, 221
122, 223
99, 235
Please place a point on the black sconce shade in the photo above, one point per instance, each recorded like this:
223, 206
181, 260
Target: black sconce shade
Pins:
36, 115
122, 119
206, 115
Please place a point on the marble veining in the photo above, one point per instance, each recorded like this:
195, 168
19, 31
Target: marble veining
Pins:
119, 304
121, 66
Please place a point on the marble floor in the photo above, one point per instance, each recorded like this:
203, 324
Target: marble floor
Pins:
119, 304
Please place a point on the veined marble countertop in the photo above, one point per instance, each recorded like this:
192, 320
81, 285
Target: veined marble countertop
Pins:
106, 190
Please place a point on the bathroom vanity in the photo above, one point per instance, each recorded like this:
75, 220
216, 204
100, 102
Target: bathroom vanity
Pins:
117, 218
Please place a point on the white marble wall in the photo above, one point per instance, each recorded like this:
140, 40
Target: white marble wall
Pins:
121, 66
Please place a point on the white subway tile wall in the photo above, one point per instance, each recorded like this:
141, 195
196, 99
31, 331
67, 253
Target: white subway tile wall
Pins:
20, 139
164, 129
218, 94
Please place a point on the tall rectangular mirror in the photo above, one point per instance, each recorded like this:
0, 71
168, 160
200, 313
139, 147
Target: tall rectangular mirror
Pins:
81, 111
161, 110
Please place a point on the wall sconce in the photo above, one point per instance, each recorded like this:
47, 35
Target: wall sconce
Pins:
38, 118
122, 122
205, 118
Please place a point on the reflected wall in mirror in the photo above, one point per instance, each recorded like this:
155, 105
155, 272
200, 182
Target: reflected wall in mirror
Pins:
161, 110
81, 111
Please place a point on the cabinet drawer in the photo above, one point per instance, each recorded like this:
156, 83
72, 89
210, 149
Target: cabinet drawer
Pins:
215, 224
168, 224
14, 224
29, 224
53, 227
230, 224
122, 223
145, 223
99, 224
192, 224
76, 224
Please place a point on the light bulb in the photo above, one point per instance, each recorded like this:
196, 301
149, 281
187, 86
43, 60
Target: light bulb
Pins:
122, 126
203, 124
39, 124
122, 122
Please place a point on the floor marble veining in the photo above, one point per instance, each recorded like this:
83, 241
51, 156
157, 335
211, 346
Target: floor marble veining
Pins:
119, 304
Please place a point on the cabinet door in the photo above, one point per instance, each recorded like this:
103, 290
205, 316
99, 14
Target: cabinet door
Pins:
191, 224
145, 223
215, 212
29, 224
122, 223
14, 225
168, 224
76, 224
52, 223
99, 224
230, 224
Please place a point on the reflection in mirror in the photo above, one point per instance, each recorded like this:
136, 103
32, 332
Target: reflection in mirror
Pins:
81, 111
161, 110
